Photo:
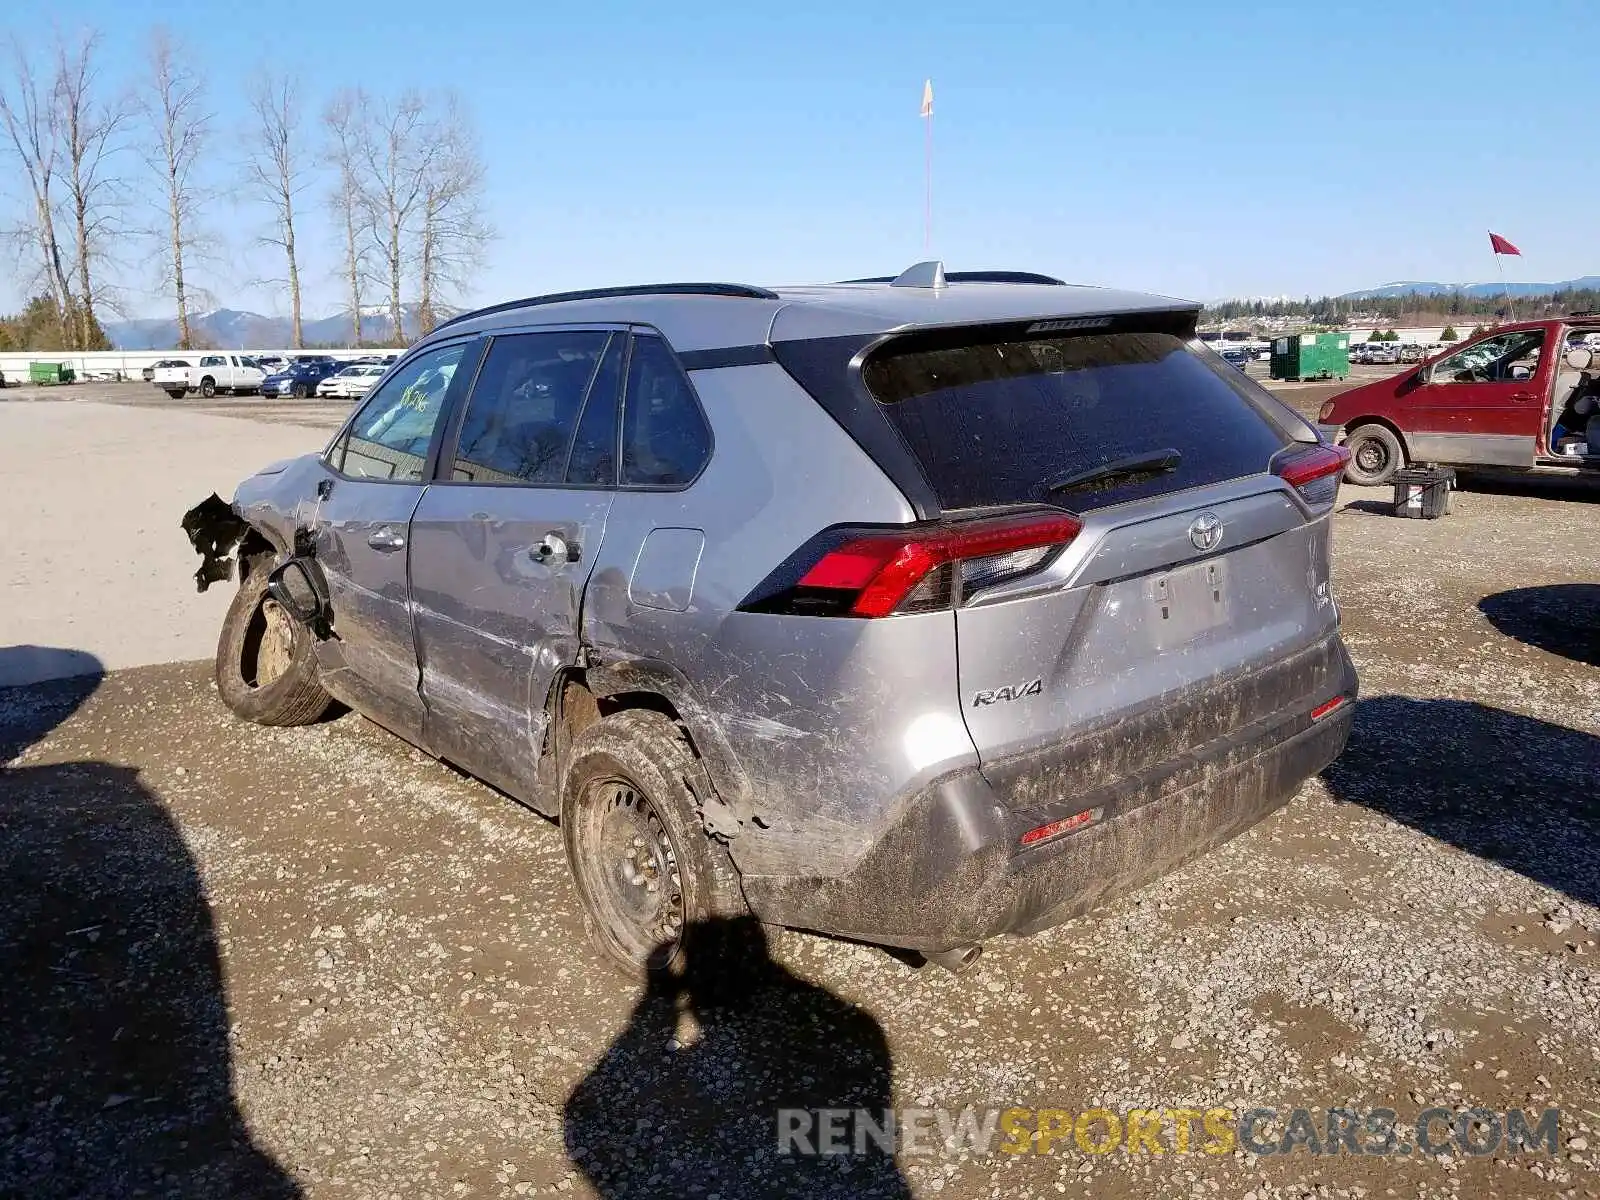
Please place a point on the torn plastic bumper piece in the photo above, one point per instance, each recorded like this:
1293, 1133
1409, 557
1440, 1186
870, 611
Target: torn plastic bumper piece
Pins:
214, 530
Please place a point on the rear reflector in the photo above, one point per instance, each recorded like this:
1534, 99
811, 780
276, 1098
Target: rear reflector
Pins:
1315, 472
1077, 821
1323, 710
919, 568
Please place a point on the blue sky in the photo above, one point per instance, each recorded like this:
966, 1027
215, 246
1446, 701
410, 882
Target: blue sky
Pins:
1205, 151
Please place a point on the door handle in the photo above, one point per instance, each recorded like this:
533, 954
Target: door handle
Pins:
555, 548
1522, 397
387, 540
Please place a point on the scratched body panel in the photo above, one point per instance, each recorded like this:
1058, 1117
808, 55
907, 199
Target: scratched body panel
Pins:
496, 618
825, 725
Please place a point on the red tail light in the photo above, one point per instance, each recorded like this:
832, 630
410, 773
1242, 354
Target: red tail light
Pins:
1066, 825
1324, 709
874, 573
1315, 471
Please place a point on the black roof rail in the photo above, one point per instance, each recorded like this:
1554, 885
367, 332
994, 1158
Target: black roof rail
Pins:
1003, 277
976, 277
742, 291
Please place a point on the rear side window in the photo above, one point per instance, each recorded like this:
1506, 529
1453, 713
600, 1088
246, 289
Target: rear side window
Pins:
526, 404
665, 441
1081, 422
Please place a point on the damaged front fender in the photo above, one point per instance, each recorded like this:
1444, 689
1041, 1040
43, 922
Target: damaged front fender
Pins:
215, 530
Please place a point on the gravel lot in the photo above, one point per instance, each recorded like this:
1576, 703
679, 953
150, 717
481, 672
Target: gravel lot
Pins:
243, 961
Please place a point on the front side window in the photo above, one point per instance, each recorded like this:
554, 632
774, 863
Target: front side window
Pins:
1506, 356
527, 404
390, 435
665, 441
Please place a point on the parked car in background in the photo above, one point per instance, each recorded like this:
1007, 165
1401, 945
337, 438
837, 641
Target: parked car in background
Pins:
149, 373
351, 381
1017, 649
1410, 353
1236, 357
1495, 403
300, 378
230, 374
272, 363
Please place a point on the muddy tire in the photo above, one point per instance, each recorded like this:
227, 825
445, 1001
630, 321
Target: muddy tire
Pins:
266, 667
208, 387
1375, 455
641, 860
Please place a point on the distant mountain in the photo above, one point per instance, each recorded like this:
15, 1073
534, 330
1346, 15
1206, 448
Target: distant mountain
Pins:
229, 329
1409, 287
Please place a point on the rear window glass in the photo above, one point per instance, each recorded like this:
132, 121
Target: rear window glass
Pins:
1081, 422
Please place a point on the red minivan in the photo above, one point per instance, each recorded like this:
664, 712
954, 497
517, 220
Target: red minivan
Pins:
1521, 397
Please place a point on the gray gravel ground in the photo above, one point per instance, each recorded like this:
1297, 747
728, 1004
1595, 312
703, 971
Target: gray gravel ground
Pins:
384, 960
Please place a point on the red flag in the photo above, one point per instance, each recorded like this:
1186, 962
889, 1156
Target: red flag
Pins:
1500, 246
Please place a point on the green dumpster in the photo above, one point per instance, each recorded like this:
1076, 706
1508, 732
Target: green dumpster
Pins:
49, 372
1311, 356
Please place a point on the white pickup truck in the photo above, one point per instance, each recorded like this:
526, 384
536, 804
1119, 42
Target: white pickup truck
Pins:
236, 374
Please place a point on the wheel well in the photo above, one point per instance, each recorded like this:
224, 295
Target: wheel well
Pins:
572, 707
253, 549
1352, 426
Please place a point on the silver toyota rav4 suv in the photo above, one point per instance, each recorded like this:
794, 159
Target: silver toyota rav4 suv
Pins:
915, 610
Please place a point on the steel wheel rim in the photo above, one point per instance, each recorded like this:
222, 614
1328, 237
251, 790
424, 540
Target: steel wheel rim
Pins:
633, 873
1371, 456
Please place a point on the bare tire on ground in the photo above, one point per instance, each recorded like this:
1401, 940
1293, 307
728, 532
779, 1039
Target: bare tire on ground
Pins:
1375, 455
266, 666
643, 864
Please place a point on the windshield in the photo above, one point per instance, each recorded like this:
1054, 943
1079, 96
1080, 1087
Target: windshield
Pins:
1120, 416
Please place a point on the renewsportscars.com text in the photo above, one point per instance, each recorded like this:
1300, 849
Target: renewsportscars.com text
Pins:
1261, 1131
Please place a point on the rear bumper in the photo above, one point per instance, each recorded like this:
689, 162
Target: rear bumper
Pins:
950, 871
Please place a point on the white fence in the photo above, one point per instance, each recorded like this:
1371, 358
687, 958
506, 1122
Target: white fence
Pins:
127, 364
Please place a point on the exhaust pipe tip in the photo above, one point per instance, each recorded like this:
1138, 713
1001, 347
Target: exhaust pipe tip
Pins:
955, 961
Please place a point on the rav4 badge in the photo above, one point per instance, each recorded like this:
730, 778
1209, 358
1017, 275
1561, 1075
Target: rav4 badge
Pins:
1015, 691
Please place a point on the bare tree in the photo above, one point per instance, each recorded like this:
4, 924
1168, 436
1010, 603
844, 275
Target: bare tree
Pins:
27, 114
398, 152
90, 134
344, 121
179, 123
453, 234
275, 172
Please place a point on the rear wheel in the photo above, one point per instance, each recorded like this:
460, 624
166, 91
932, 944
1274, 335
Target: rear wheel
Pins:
1375, 455
266, 667
177, 393
640, 858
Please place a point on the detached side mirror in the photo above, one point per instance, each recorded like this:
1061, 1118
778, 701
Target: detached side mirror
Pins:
297, 585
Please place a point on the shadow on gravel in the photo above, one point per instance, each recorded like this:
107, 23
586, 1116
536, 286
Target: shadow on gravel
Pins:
655, 1117
1511, 789
114, 1055
1377, 508
1563, 618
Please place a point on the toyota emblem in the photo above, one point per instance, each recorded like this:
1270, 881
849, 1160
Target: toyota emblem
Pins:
1205, 531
